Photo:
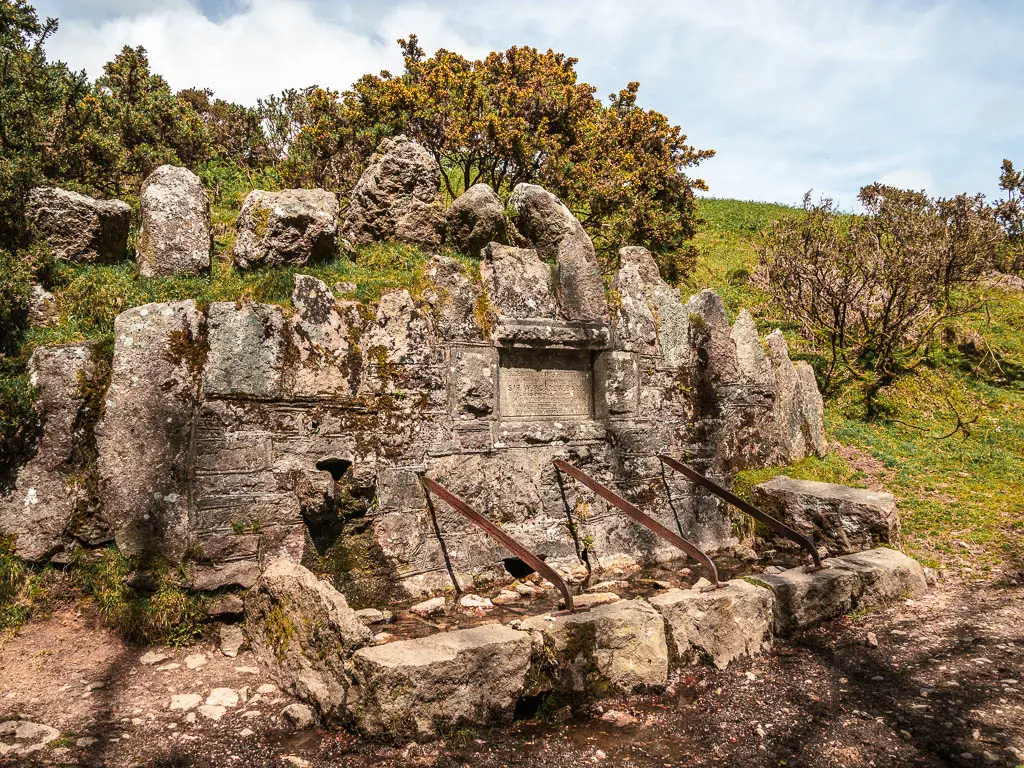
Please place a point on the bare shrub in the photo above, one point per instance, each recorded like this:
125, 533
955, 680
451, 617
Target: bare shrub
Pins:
870, 291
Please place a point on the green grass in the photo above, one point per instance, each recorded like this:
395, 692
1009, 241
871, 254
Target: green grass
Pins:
961, 497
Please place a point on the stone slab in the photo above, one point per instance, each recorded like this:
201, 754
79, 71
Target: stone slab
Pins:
418, 688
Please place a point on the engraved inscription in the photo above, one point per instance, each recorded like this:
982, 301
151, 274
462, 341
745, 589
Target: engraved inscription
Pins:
546, 384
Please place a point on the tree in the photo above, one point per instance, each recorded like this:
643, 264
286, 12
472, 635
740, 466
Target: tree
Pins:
870, 291
518, 115
234, 132
40, 112
138, 124
1010, 214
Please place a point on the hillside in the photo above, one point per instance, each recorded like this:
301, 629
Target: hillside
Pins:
961, 497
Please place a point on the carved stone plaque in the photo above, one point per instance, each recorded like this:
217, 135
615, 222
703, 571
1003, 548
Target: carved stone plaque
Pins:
546, 384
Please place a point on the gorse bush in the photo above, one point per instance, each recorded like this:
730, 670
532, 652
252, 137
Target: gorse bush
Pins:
869, 292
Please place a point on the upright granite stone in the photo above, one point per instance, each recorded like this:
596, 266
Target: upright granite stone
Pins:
398, 197
476, 218
144, 436
616, 648
50, 505
798, 405
79, 228
304, 631
840, 518
544, 222
718, 624
419, 689
518, 284
175, 238
293, 226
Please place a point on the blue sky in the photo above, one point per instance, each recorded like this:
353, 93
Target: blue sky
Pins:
794, 95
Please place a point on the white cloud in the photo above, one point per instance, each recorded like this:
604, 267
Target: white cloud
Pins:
793, 94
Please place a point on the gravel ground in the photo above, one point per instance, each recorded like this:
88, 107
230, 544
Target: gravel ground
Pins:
937, 681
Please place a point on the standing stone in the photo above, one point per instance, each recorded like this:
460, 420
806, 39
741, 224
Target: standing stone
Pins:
720, 624
143, 437
398, 197
79, 228
416, 688
843, 519
476, 218
52, 486
753, 362
303, 629
293, 226
544, 222
799, 408
175, 238
518, 283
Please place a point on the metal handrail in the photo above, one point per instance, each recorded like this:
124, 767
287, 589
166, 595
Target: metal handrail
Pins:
501, 537
744, 506
648, 522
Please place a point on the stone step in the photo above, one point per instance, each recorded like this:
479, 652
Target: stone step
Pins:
419, 688
423, 688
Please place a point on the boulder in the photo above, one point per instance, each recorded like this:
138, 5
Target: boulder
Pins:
50, 502
885, 575
544, 222
476, 218
143, 437
398, 197
418, 688
617, 648
718, 624
79, 228
304, 631
175, 238
455, 299
293, 226
841, 518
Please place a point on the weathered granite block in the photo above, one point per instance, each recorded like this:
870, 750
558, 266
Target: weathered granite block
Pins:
804, 597
618, 648
79, 228
418, 688
144, 436
844, 519
303, 630
718, 624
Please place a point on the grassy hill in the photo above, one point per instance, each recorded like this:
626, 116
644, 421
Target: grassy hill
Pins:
961, 497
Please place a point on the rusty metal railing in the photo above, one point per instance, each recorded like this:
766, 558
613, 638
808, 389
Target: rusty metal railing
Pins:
502, 538
648, 522
776, 525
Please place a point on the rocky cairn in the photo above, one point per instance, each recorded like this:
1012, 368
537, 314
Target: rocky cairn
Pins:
78, 228
294, 226
175, 238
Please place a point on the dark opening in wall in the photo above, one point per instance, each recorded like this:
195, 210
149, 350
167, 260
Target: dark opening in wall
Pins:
337, 467
516, 568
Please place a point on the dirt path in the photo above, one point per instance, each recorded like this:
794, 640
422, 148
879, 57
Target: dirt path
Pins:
933, 682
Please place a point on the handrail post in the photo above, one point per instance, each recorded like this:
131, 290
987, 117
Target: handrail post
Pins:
744, 506
496, 533
634, 512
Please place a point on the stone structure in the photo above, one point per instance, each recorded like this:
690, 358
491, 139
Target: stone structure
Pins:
840, 518
293, 226
239, 433
175, 238
398, 197
79, 228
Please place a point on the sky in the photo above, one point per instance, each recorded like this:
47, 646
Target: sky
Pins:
793, 95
